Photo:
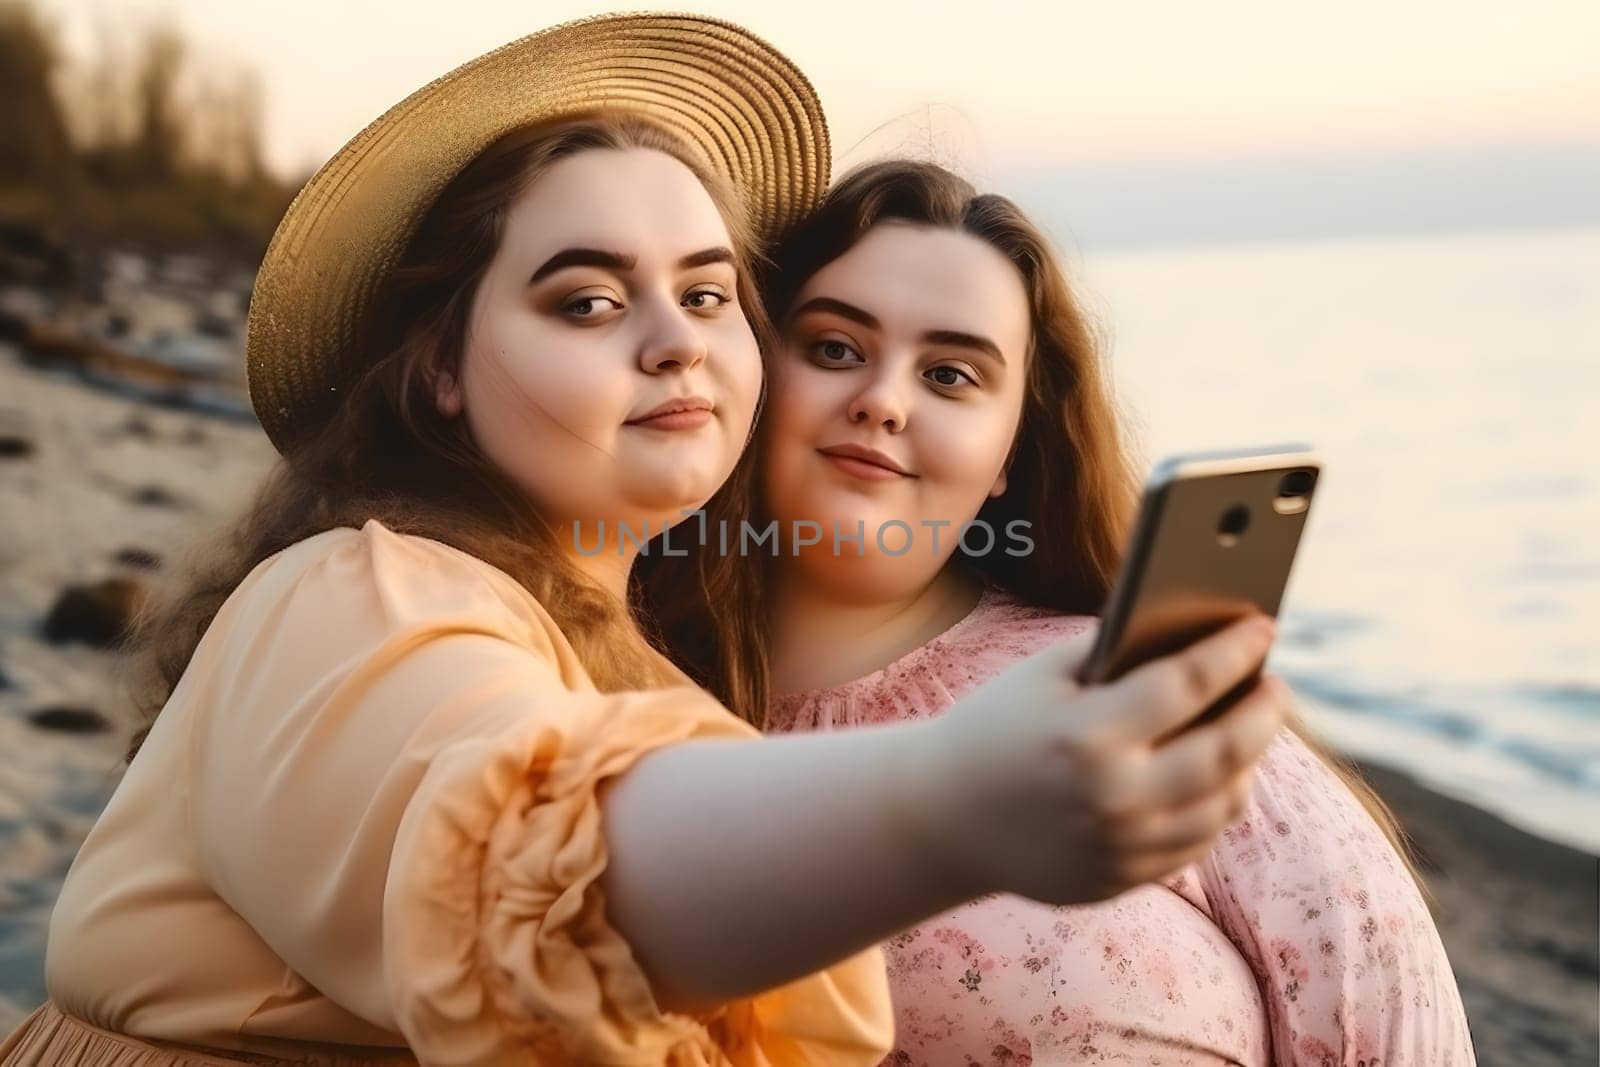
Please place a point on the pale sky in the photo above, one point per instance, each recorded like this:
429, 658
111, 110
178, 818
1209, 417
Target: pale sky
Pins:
1004, 87
1043, 82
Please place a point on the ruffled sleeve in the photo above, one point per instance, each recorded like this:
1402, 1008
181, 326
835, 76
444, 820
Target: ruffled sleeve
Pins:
1316, 899
399, 789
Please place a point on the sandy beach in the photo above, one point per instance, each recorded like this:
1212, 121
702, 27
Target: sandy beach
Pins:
95, 485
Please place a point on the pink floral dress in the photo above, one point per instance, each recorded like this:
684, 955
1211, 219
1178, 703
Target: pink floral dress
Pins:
1299, 940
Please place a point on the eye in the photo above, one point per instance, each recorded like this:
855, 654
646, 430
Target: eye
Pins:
835, 352
705, 299
950, 377
589, 307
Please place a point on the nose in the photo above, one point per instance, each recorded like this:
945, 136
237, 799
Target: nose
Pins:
879, 403
673, 343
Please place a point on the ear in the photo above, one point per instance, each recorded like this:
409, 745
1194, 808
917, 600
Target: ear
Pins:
999, 488
447, 394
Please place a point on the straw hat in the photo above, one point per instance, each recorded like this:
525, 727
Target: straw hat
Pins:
741, 104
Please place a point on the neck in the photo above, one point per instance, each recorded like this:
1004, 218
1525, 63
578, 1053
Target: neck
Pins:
603, 555
824, 637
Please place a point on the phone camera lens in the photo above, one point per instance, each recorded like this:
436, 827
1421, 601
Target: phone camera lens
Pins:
1297, 483
1234, 521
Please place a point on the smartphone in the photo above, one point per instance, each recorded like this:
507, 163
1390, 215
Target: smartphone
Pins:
1215, 539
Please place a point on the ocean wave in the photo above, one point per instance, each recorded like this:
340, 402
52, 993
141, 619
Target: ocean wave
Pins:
1574, 764
1573, 698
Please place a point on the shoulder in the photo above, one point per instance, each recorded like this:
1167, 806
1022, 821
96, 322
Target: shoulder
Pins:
395, 581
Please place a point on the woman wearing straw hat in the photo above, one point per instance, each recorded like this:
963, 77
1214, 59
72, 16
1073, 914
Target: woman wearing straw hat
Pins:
420, 789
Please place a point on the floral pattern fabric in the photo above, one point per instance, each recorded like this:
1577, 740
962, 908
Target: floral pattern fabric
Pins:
1299, 940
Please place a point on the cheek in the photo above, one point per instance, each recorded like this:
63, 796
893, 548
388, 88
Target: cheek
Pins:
795, 417
804, 399
531, 380
963, 452
741, 371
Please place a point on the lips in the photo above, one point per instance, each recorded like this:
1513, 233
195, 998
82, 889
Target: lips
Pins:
858, 459
677, 413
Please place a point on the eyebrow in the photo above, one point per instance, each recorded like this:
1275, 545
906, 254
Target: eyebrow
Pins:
706, 257
617, 261
965, 340
838, 307
956, 338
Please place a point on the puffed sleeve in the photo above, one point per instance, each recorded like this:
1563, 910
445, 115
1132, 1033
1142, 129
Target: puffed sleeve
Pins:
398, 787
1316, 899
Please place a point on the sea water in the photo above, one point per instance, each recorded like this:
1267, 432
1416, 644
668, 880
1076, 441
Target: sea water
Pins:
1444, 612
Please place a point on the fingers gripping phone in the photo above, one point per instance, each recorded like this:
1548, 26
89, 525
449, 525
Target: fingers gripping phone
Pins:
1215, 538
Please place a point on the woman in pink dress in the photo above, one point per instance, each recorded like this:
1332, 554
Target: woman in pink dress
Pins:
935, 370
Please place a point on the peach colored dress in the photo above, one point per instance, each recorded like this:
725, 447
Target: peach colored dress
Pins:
1300, 940
366, 828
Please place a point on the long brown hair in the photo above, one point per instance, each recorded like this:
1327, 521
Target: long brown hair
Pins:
1072, 476
385, 452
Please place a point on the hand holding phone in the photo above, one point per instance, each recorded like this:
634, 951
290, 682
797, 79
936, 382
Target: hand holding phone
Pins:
1215, 539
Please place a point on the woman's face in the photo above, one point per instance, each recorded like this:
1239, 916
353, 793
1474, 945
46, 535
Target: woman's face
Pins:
612, 295
909, 350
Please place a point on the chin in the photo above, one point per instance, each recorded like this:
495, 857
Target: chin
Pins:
673, 493
849, 508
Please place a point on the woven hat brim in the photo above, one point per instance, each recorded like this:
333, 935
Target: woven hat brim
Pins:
752, 115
